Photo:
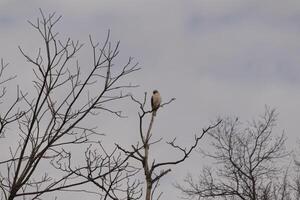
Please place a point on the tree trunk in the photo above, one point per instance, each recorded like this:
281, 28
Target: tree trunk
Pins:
146, 162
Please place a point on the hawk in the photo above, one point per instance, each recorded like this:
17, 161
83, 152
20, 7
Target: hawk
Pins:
155, 101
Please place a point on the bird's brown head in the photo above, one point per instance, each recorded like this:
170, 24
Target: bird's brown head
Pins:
155, 91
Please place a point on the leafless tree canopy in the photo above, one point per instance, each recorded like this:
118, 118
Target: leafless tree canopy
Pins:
48, 122
247, 163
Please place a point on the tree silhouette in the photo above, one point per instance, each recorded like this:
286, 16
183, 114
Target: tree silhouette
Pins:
247, 163
49, 122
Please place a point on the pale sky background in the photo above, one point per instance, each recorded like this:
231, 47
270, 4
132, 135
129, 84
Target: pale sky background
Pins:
217, 57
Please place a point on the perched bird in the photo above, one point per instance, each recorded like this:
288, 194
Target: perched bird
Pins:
155, 101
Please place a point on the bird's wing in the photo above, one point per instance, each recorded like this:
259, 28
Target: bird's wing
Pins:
152, 102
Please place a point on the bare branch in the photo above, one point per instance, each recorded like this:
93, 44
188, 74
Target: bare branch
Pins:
140, 153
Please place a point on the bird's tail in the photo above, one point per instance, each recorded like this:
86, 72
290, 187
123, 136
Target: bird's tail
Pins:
154, 112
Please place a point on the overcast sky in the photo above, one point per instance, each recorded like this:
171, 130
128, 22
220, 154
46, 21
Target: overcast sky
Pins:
217, 57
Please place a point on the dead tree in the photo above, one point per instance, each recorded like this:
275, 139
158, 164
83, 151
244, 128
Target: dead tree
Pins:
153, 171
51, 119
247, 163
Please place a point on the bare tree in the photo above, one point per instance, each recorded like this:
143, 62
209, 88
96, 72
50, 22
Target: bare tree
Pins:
294, 181
154, 171
51, 120
246, 163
